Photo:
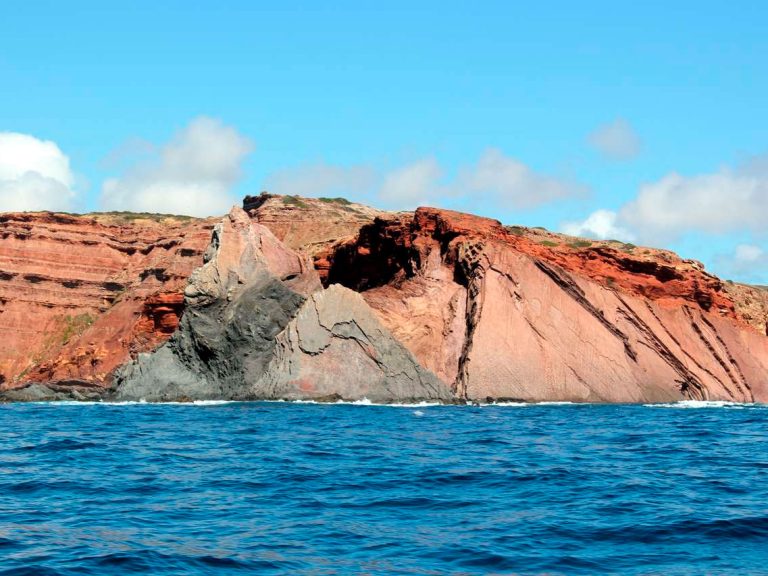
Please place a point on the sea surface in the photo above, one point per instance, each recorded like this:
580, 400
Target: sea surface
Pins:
281, 488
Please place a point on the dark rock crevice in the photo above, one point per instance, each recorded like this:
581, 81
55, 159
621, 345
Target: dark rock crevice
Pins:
574, 291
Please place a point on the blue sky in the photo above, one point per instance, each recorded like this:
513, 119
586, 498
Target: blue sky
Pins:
538, 113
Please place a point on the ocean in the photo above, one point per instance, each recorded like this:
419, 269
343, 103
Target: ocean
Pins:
286, 488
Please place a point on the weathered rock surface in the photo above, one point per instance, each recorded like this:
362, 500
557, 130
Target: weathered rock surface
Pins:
336, 347
258, 325
79, 295
431, 305
309, 225
499, 314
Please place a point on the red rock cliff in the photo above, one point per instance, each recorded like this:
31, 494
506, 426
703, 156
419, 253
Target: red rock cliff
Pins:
494, 311
80, 294
506, 312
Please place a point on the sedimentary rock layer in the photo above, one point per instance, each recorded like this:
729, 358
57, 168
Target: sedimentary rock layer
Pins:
497, 313
80, 294
309, 298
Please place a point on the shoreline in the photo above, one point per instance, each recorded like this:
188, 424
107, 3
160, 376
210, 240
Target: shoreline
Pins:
691, 404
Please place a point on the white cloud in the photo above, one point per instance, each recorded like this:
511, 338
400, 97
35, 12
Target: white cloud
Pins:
321, 180
748, 253
412, 185
509, 182
616, 140
34, 174
722, 202
495, 178
600, 224
193, 174
747, 263
717, 203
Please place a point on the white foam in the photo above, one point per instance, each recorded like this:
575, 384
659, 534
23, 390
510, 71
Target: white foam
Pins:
702, 404
361, 402
508, 404
418, 413
141, 402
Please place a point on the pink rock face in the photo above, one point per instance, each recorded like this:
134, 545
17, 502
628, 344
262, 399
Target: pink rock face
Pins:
493, 311
500, 315
79, 295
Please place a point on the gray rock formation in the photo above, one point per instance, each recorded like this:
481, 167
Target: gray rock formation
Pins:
335, 346
258, 325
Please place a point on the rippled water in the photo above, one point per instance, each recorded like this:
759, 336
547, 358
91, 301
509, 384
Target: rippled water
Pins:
341, 489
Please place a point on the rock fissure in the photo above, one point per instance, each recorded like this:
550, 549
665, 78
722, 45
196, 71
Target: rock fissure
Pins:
574, 291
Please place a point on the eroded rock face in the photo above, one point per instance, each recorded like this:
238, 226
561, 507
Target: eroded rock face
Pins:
309, 225
258, 325
336, 347
498, 314
433, 305
79, 295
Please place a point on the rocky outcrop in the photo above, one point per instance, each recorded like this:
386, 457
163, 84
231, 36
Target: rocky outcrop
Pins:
309, 225
322, 299
751, 304
497, 313
79, 295
335, 347
257, 325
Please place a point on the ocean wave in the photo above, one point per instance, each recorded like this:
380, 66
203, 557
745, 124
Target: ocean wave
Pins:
361, 402
705, 404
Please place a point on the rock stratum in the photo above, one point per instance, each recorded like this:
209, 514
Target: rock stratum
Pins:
295, 298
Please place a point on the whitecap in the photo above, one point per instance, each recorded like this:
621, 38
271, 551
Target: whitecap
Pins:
703, 404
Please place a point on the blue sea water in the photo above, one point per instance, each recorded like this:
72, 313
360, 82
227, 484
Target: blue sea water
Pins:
279, 488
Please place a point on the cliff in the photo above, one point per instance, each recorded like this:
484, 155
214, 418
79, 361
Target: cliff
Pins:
81, 295
258, 325
320, 298
506, 312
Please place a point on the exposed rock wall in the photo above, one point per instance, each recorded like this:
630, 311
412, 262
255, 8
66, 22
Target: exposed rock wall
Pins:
431, 305
79, 295
499, 315
258, 325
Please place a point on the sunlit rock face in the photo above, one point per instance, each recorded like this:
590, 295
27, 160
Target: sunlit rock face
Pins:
506, 312
259, 325
295, 298
80, 295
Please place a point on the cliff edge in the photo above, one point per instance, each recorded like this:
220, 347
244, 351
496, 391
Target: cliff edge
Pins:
296, 298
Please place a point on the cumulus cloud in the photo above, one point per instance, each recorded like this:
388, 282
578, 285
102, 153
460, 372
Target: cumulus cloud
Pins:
748, 263
495, 178
724, 201
412, 185
616, 140
729, 200
34, 174
511, 183
600, 224
192, 174
749, 253
321, 180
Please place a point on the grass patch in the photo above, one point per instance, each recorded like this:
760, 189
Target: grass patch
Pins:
549, 243
580, 244
516, 230
294, 201
338, 200
131, 216
75, 325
